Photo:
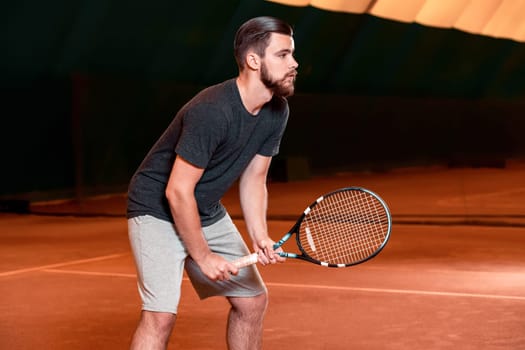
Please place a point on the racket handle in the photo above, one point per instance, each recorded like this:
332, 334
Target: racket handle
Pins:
246, 261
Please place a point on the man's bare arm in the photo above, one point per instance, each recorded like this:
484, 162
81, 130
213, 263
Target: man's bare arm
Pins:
254, 203
180, 192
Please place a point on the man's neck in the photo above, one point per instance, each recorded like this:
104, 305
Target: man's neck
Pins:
254, 94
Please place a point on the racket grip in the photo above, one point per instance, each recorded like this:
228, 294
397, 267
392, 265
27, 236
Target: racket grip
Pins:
246, 261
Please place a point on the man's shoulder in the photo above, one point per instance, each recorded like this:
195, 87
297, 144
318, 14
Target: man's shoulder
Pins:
212, 98
217, 91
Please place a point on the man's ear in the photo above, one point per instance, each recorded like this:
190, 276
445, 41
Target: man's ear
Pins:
253, 61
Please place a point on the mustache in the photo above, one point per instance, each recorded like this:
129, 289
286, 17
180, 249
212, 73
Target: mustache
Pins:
293, 73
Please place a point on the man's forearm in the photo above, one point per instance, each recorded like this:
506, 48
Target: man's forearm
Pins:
254, 204
187, 222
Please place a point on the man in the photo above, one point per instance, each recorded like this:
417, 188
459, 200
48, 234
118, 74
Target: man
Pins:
227, 132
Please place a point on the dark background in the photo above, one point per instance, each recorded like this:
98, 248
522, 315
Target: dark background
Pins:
88, 86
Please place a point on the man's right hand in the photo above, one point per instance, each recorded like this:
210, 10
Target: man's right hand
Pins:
216, 268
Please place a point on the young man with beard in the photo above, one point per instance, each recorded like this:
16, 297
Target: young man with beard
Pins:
227, 132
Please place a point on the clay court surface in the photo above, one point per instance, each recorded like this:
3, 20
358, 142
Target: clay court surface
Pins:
451, 277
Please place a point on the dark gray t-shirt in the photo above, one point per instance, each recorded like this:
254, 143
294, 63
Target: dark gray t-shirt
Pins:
212, 131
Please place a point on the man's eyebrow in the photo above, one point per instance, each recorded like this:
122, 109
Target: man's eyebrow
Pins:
284, 51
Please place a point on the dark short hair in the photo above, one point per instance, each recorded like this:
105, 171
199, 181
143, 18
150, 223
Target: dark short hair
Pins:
255, 34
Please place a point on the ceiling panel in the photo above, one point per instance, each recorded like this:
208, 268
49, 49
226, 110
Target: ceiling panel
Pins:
496, 18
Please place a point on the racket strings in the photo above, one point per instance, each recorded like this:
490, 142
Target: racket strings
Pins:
344, 228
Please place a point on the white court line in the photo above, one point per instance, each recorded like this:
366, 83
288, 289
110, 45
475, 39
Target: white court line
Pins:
67, 263
401, 291
322, 287
90, 273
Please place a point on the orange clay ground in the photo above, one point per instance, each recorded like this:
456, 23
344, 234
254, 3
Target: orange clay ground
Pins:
451, 277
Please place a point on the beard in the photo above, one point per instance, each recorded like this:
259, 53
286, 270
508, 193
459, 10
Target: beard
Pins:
279, 87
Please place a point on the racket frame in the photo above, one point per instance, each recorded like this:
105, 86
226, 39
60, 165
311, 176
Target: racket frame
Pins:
253, 258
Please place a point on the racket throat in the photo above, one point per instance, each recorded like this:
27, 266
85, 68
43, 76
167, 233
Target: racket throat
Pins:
282, 240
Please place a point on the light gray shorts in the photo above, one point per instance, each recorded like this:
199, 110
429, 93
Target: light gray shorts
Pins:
160, 258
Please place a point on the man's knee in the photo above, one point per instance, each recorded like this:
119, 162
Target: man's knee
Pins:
261, 301
161, 322
250, 305
153, 331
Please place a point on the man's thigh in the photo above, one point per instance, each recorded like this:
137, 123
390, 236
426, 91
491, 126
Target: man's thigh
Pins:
159, 258
224, 239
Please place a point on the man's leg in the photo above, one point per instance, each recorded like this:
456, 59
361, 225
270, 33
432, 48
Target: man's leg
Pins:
246, 291
245, 322
159, 257
153, 331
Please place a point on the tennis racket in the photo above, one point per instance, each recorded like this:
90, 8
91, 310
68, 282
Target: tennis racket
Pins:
342, 228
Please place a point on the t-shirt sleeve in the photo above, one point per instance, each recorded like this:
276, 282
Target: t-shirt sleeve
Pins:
202, 131
271, 146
